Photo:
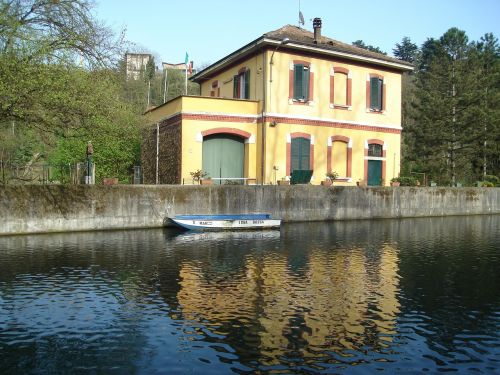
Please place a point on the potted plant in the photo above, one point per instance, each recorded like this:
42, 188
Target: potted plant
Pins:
330, 177
206, 181
283, 181
198, 176
396, 181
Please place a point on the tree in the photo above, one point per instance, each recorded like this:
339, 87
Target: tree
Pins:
445, 128
59, 87
406, 51
488, 51
149, 75
359, 43
56, 31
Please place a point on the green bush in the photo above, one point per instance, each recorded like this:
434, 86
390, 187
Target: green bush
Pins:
406, 181
494, 180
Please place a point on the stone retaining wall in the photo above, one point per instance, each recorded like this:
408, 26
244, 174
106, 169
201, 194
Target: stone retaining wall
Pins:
54, 208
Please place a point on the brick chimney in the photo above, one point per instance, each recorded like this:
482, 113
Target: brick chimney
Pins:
317, 30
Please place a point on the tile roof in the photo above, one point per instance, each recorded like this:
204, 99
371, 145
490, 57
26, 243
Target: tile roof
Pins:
302, 36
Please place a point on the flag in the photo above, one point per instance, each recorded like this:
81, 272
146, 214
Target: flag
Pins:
186, 60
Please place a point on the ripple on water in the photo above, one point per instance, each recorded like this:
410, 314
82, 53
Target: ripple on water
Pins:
407, 296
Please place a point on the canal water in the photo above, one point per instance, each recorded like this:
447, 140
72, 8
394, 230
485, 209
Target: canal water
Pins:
361, 297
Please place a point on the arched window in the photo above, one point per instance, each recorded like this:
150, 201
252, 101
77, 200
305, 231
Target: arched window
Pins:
300, 152
339, 156
340, 88
375, 163
375, 93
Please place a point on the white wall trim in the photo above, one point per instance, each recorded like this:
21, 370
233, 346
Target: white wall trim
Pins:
199, 137
250, 140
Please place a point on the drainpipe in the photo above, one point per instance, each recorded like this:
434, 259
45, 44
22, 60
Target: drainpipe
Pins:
264, 107
263, 140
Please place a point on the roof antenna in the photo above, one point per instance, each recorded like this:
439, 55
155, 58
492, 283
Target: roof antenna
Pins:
301, 17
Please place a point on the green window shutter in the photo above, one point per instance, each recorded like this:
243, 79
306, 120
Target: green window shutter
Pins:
247, 84
305, 83
236, 85
298, 82
376, 93
300, 153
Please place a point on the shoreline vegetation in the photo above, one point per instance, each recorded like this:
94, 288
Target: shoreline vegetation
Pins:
63, 83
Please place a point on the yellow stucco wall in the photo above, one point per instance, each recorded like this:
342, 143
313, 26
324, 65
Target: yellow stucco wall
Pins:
225, 79
277, 149
278, 92
317, 119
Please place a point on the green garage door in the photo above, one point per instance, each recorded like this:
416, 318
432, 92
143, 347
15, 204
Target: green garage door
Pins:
374, 172
223, 156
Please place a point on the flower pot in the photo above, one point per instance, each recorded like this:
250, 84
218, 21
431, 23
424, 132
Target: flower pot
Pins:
283, 182
206, 181
110, 181
395, 183
326, 182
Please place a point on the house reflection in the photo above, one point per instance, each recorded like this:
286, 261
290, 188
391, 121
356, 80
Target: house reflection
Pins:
337, 300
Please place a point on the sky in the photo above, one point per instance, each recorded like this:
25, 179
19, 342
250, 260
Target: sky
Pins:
210, 30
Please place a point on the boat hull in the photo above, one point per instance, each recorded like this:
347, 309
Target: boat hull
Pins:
226, 222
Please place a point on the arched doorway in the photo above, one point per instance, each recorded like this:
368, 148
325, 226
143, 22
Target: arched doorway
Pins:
375, 152
300, 153
223, 157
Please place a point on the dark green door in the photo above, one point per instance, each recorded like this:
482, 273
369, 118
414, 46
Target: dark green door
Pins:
223, 156
301, 150
374, 172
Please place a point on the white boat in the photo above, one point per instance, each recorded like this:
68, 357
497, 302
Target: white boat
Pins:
226, 222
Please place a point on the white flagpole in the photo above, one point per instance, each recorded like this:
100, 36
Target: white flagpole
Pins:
186, 80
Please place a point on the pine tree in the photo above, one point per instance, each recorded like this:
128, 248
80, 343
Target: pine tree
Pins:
488, 54
446, 128
406, 51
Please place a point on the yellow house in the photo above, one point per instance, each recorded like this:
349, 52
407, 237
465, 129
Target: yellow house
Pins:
289, 100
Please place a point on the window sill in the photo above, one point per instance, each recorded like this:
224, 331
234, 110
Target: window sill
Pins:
341, 106
301, 102
343, 179
376, 111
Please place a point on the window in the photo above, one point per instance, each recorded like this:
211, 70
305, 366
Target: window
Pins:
241, 84
340, 91
339, 157
376, 94
215, 89
375, 163
301, 82
375, 150
340, 88
300, 153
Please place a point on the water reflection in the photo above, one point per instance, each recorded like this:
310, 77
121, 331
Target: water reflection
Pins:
350, 297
